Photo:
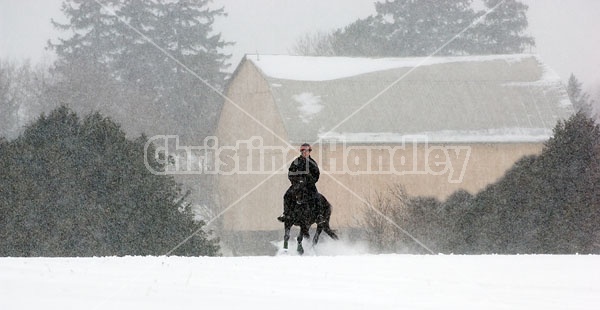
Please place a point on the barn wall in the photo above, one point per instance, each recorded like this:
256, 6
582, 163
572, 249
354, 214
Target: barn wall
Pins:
241, 136
250, 111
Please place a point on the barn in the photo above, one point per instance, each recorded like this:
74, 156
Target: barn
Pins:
433, 125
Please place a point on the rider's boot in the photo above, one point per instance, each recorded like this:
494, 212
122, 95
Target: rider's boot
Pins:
283, 218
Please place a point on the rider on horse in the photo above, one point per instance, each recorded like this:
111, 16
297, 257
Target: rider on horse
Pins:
304, 170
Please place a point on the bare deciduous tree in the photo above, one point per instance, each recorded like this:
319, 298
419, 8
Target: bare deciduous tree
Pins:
386, 209
314, 44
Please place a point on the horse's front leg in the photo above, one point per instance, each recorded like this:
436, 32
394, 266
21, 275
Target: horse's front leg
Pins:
303, 232
286, 234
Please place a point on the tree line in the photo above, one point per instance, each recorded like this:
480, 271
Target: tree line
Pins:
404, 28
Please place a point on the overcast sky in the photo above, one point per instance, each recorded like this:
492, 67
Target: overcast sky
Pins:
566, 31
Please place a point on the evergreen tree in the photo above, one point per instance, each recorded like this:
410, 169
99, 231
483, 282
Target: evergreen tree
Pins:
401, 28
546, 203
357, 39
453, 231
581, 100
153, 66
74, 187
568, 164
410, 28
157, 57
504, 217
502, 31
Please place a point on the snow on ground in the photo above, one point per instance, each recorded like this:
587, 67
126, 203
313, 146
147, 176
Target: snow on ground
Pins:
302, 282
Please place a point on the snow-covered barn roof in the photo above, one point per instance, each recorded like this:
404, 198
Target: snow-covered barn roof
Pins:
497, 98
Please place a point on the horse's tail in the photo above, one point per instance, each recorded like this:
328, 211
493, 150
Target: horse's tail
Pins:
326, 228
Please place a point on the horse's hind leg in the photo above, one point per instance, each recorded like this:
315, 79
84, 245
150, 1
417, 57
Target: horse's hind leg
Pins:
317, 233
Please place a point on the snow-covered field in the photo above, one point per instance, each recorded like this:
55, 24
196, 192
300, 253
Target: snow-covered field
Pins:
308, 282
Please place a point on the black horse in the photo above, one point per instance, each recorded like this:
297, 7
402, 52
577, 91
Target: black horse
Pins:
304, 210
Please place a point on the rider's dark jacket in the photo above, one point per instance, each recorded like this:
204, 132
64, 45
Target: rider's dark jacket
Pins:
304, 169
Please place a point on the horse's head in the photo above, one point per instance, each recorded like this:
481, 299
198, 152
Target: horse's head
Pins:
299, 192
